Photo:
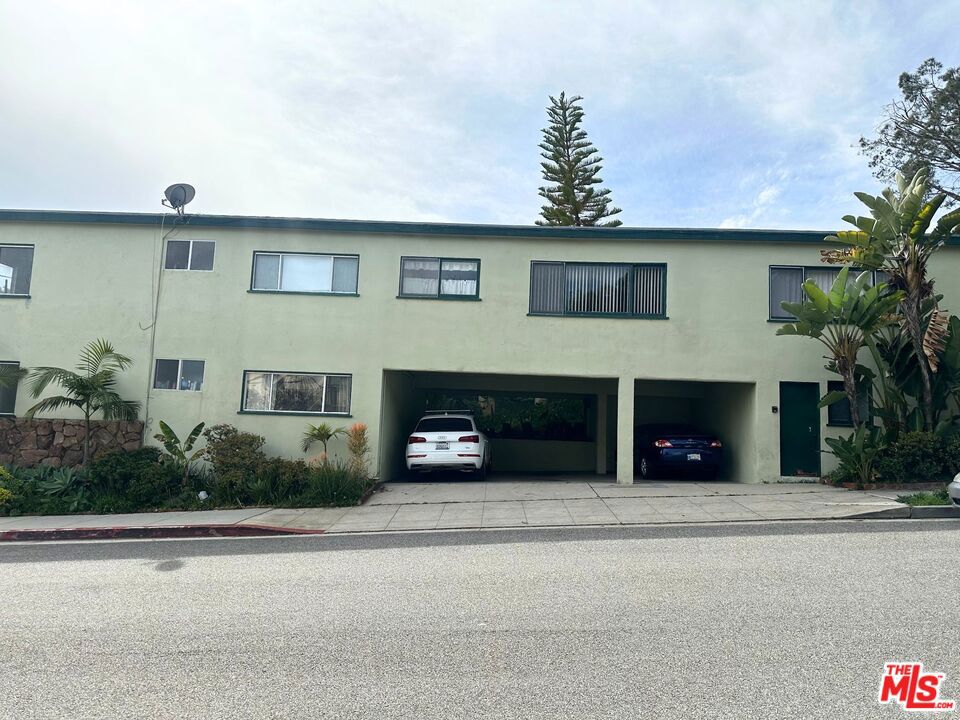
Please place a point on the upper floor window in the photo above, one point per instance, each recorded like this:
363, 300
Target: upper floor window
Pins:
598, 289
178, 375
8, 389
189, 255
786, 282
16, 268
285, 392
305, 273
443, 278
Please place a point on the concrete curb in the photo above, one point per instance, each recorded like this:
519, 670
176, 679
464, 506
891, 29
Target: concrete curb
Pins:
148, 533
935, 511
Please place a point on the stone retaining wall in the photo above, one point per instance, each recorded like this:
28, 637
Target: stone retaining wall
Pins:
59, 443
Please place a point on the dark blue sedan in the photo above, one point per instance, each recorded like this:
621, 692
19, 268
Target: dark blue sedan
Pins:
672, 448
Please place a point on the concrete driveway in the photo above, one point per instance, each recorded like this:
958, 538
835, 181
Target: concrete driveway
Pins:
522, 502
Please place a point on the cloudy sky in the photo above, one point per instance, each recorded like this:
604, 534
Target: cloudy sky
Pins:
734, 114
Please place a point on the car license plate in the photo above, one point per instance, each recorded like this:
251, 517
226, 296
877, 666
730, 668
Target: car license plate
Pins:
443, 446
694, 457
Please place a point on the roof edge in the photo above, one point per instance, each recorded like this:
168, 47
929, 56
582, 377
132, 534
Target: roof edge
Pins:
423, 228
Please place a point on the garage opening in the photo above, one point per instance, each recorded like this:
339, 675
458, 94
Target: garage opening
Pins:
724, 411
541, 426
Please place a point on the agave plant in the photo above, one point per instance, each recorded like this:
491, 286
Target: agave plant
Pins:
895, 241
180, 450
90, 388
842, 320
322, 434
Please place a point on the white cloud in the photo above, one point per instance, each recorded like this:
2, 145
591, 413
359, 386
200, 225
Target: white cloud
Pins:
432, 110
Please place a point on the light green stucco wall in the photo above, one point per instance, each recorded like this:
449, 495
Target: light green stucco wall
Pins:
99, 280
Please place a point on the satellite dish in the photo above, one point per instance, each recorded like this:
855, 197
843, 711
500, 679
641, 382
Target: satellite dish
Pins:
176, 196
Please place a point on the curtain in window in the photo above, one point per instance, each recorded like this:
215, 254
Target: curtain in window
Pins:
785, 286
420, 276
825, 277
345, 274
648, 290
598, 289
459, 277
546, 288
337, 395
266, 272
258, 393
306, 273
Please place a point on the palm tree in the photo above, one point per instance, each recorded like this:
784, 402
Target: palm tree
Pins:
843, 320
322, 434
90, 389
895, 241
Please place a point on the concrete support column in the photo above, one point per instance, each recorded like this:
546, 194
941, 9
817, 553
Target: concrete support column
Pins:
625, 402
601, 433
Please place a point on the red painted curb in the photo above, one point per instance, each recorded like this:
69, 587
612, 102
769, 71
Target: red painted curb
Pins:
170, 531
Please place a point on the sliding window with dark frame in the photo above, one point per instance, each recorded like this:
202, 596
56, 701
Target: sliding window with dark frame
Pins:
614, 290
296, 393
8, 391
786, 283
439, 278
304, 273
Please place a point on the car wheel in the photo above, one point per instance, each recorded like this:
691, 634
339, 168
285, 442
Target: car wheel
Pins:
481, 474
644, 468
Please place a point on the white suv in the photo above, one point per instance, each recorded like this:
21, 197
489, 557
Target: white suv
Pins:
448, 441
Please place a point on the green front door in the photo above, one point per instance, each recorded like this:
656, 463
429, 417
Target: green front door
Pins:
799, 429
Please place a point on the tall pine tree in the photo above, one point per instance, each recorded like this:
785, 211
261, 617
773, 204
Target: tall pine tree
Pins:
572, 165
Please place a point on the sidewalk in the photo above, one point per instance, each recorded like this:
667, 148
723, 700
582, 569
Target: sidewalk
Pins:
492, 504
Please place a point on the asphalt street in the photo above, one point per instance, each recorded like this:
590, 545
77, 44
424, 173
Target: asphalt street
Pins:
771, 620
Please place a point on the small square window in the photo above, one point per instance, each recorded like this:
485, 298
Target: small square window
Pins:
189, 255
201, 258
16, 269
838, 413
178, 255
178, 375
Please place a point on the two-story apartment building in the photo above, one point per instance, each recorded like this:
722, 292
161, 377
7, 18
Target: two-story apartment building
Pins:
273, 323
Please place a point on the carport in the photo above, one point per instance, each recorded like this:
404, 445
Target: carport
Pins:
724, 409
537, 424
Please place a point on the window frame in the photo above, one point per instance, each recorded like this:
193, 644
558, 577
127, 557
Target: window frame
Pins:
188, 268
831, 422
439, 295
16, 390
33, 257
180, 362
280, 291
243, 394
632, 292
804, 269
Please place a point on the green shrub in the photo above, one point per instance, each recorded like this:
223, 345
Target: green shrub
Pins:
332, 483
230, 451
112, 473
937, 497
951, 456
913, 457
276, 481
842, 475
6, 497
